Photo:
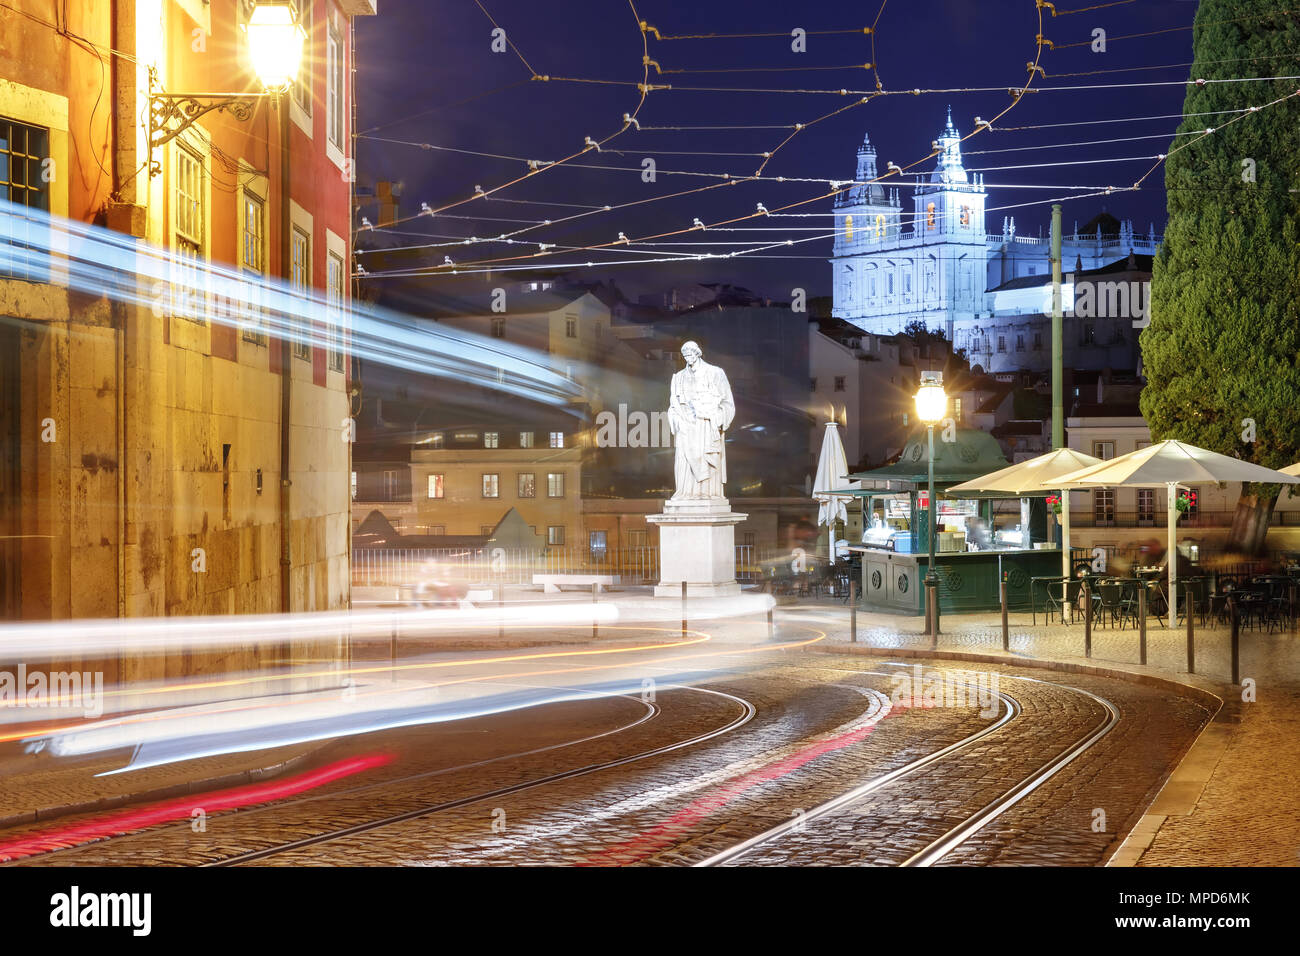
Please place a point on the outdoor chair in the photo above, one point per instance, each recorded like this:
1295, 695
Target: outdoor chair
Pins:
1199, 589
1114, 602
1063, 595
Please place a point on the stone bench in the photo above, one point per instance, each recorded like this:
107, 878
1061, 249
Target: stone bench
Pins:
551, 583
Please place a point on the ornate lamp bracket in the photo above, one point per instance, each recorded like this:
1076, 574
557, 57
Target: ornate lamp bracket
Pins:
171, 114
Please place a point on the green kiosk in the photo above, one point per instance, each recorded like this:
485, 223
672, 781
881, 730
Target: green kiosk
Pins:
977, 541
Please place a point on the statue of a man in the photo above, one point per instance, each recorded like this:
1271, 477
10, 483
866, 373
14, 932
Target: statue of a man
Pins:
700, 409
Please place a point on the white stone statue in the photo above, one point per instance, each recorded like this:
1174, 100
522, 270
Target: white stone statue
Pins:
700, 409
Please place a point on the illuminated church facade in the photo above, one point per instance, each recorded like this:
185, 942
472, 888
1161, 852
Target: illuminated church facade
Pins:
936, 263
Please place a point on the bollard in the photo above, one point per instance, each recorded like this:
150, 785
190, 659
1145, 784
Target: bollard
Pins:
771, 628
595, 627
1087, 619
683, 610
1190, 610
853, 612
1142, 623
932, 613
1002, 599
1235, 640
501, 612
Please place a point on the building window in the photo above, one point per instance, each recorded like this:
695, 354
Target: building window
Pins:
24, 166
437, 487
555, 485
965, 215
188, 201
929, 215
598, 542
1103, 450
498, 328
491, 439
1103, 506
571, 326
638, 539
491, 486
302, 85
880, 225
904, 419
1002, 343
839, 383
555, 534
334, 94
1038, 341
334, 311
748, 539
485, 530
956, 410
525, 439
300, 273
438, 440
527, 485
557, 439
1146, 500
1020, 343
390, 486
354, 485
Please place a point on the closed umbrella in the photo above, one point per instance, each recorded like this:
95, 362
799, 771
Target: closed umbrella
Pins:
1168, 464
832, 473
1036, 474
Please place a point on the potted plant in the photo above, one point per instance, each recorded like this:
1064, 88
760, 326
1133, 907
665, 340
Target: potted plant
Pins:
1185, 502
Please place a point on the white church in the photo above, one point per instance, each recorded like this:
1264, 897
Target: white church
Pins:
937, 264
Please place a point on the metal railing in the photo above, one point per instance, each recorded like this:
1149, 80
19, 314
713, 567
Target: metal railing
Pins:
1156, 519
491, 566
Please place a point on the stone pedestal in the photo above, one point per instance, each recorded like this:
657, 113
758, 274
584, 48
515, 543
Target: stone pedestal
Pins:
697, 544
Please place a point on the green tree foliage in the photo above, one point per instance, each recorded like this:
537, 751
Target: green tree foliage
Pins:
1223, 344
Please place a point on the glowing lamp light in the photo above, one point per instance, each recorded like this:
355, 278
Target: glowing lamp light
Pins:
275, 39
931, 399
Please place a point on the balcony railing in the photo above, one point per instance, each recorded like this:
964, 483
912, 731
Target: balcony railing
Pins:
1156, 519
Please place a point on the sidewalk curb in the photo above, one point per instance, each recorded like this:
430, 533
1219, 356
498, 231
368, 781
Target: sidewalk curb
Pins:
1174, 792
160, 793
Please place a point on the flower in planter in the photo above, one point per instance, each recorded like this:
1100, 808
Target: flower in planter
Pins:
1186, 500
1054, 501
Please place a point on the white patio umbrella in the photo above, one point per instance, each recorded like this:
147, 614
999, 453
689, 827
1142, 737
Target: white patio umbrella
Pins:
1291, 469
832, 473
1036, 474
1167, 465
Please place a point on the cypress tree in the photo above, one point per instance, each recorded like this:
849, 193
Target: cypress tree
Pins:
1222, 350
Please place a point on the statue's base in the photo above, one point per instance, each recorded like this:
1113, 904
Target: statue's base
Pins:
697, 544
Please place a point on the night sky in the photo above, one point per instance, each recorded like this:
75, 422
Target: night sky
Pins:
426, 74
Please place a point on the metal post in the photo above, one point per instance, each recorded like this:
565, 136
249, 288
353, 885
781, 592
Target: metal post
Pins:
1058, 387
1190, 610
501, 612
1087, 619
1002, 598
683, 610
595, 627
931, 574
1142, 622
771, 628
853, 611
1235, 639
932, 599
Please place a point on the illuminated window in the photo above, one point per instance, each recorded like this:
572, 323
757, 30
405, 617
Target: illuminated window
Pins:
839, 383
965, 215
555, 485
334, 314
929, 216
491, 486
880, 226
525, 439
527, 485
302, 85
557, 439
437, 486
571, 326
187, 195
848, 227
491, 439
555, 534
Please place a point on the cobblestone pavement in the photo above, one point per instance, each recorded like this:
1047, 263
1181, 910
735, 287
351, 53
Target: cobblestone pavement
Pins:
818, 730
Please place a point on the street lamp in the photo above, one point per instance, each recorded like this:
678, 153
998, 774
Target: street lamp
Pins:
275, 40
931, 405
